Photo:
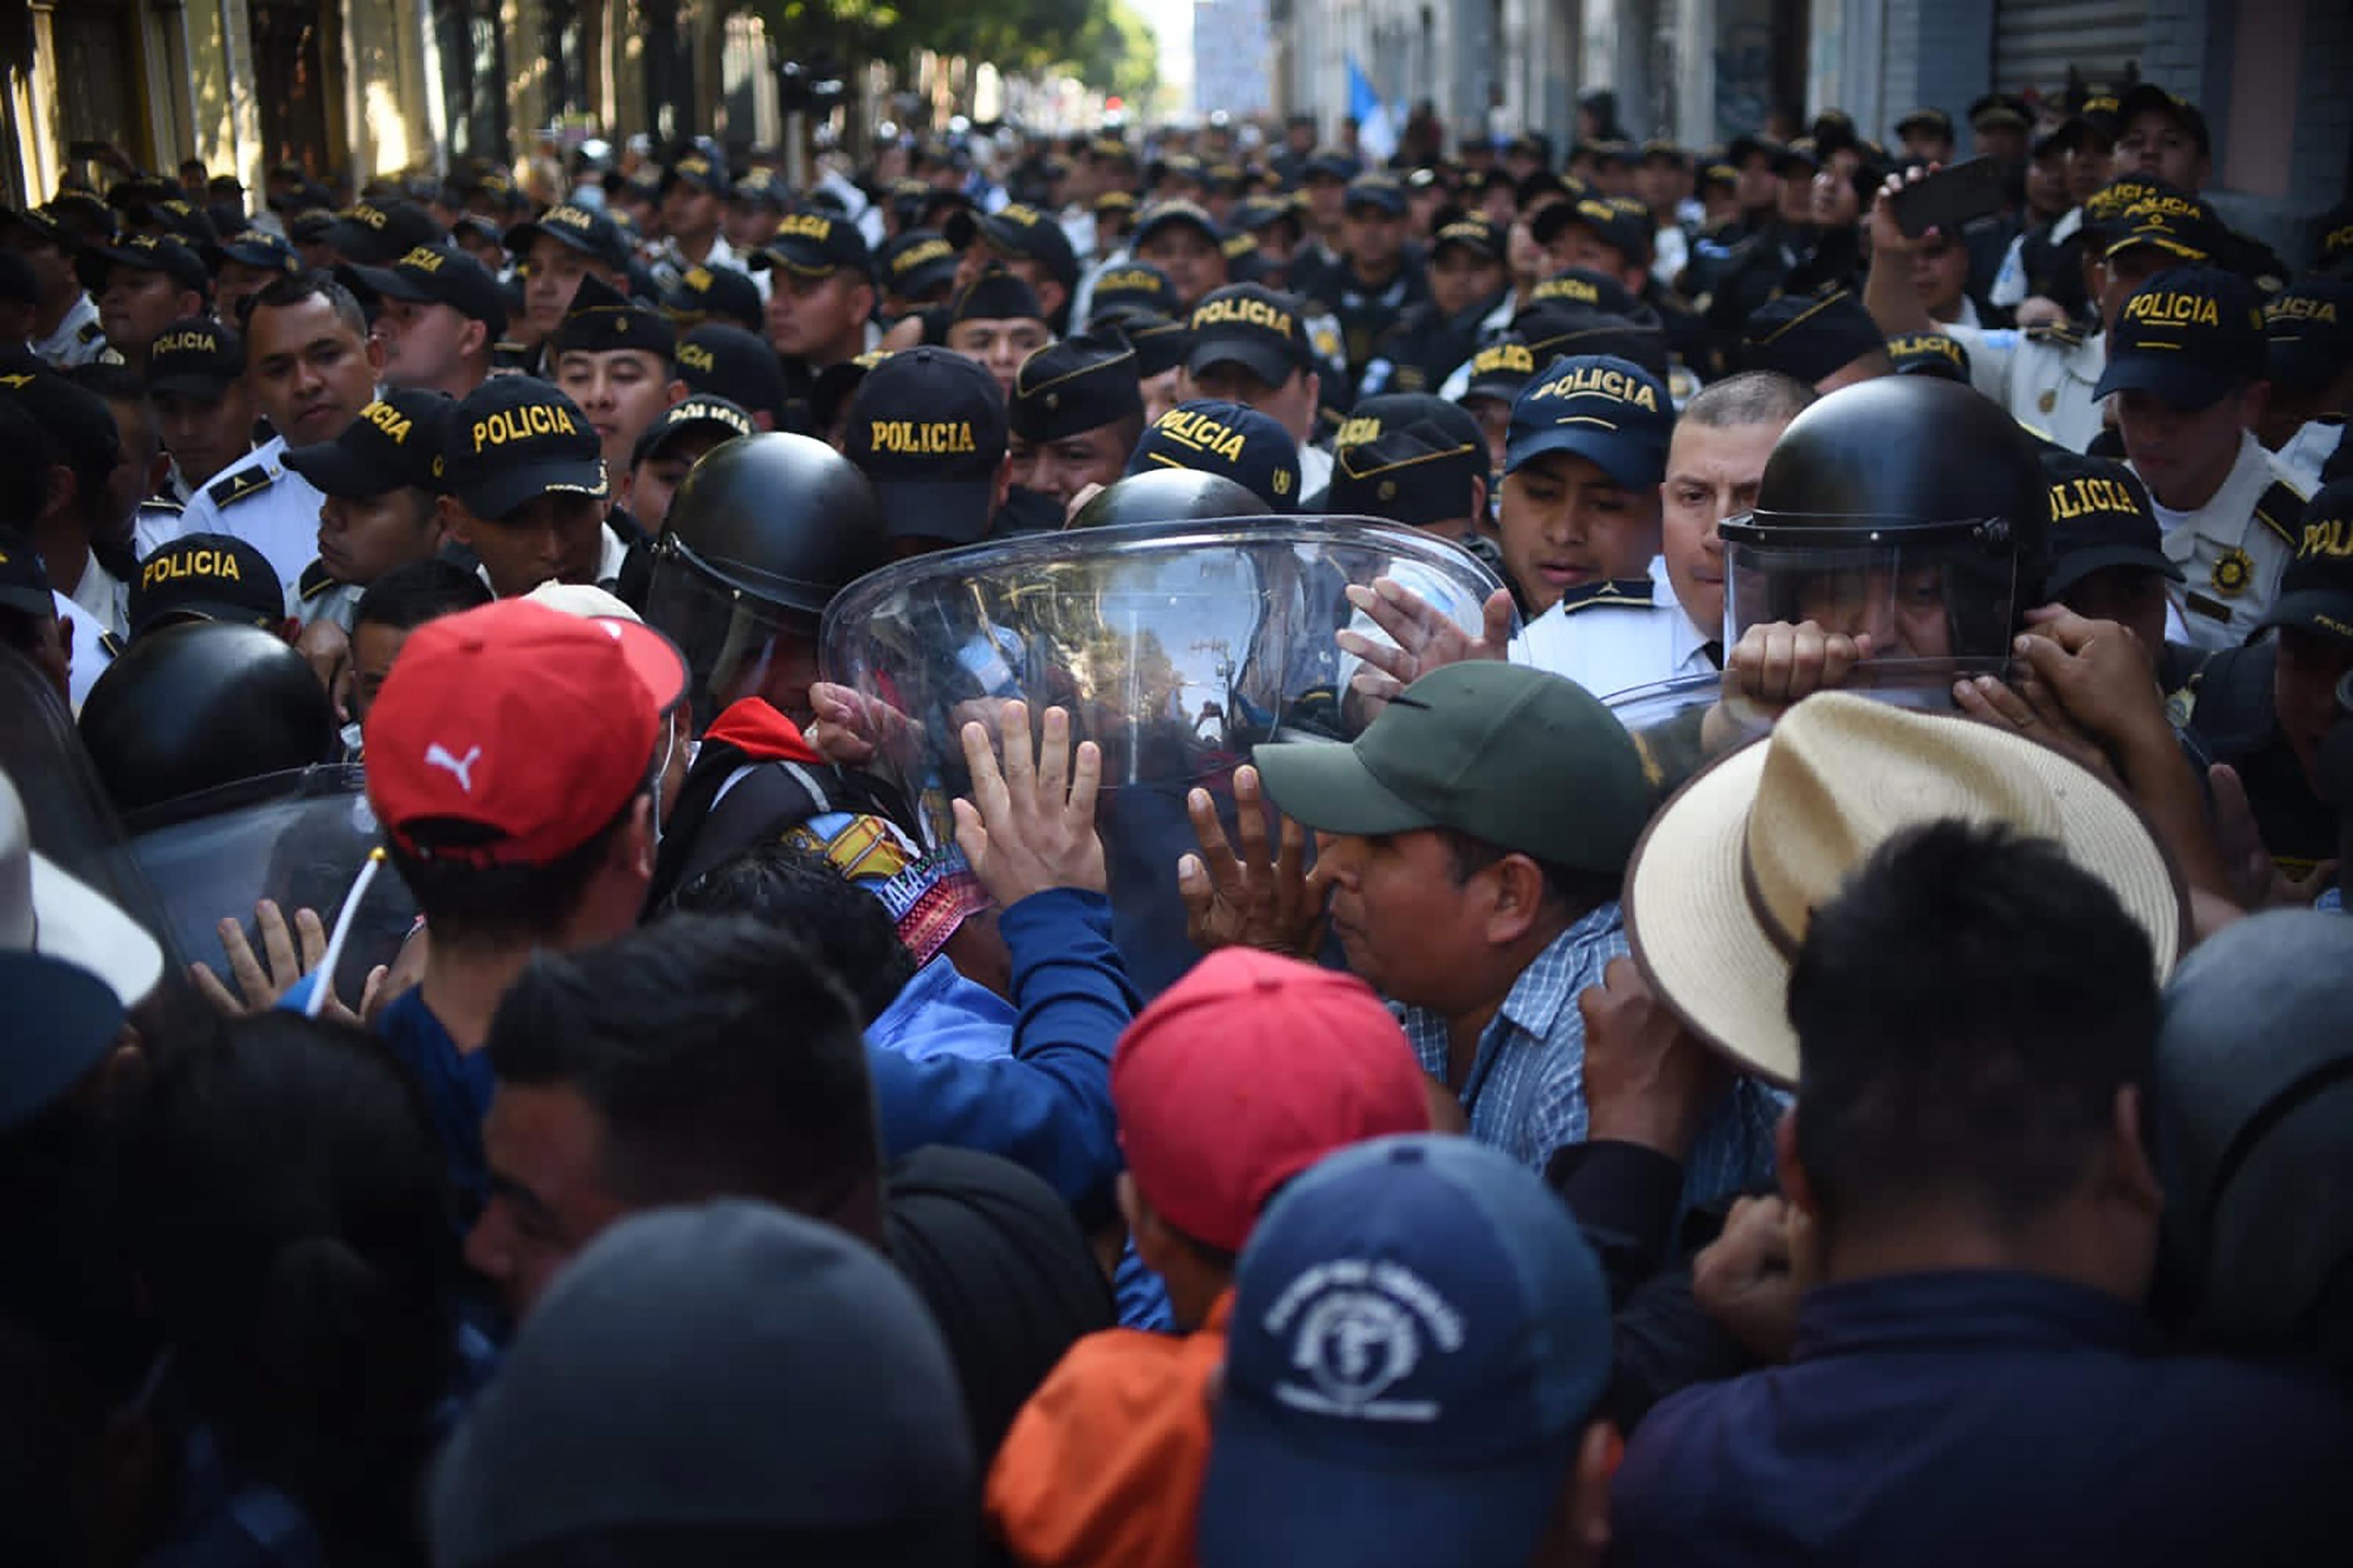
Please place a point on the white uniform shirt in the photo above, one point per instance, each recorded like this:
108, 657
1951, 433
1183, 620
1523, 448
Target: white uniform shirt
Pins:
2009, 289
94, 647
2233, 548
268, 505
78, 339
102, 599
2308, 451
2045, 377
1608, 639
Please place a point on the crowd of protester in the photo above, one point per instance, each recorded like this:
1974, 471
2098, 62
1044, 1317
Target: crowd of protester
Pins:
1889, 1104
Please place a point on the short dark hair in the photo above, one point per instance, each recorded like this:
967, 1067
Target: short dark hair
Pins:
290, 288
721, 1056
1966, 1008
502, 904
798, 891
1750, 398
115, 383
28, 452
1581, 892
407, 597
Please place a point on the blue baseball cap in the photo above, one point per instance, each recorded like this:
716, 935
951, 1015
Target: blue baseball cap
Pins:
1602, 407
1230, 440
1420, 1337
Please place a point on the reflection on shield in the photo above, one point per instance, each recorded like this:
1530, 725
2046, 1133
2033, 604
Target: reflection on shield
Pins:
1176, 647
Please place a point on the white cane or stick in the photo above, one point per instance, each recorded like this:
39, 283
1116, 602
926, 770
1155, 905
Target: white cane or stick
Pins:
324, 979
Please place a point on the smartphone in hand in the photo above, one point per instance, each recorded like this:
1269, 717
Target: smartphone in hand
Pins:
1951, 198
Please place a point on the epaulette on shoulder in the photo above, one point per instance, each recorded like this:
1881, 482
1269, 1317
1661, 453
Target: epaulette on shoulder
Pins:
88, 332
238, 483
1619, 593
2058, 335
315, 580
2280, 508
162, 501
110, 643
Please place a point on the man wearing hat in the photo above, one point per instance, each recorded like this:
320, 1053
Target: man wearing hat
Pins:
1981, 1206
615, 359
997, 321
1250, 346
555, 251
756, 205
63, 437
1827, 340
821, 298
524, 488
2187, 362
205, 576
1030, 245
1466, 282
927, 428
1130, 288
1229, 439
663, 455
919, 272
721, 294
2308, 336
204, 413
441, 314
1419, 460
2161, 137
311, 367
371, 233
1935, 353
1927, 135
1374, 281
380, 481
693, 194
142, 286
66, 329
2107, 560
1076, 413
243, 266
1182, 240
728, 362
1479, 829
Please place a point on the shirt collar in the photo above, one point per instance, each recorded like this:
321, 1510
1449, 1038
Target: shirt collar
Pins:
1549, 983
1972, 1308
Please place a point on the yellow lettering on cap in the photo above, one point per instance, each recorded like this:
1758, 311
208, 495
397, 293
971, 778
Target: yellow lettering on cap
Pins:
922, 255
423, 259
521, 424
2081, 497
1243, 312
366, 215
566, 218
193, 340
394, 424
2332, 537
2294, 307
1576, 289
695, 357
2172, 307
1600, 381
2337, 238
172, 566
1505, 357
922, 438
1357, 432
1201, 433
805, 226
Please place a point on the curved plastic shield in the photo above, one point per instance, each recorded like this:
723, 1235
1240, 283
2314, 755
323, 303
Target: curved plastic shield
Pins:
298, 839
1176, 646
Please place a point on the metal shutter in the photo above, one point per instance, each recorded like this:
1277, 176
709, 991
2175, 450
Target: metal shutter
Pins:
2034, 41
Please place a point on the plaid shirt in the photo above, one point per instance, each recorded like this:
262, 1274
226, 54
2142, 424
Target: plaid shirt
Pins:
1525, 1094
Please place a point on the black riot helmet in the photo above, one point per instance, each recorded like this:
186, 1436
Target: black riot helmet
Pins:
763, 533
196, 706
1906, 506
1169, 495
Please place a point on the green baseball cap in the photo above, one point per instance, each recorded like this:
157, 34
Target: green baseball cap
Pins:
1512, 756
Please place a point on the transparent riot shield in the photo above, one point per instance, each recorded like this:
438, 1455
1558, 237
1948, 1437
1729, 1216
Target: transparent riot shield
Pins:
1177, 647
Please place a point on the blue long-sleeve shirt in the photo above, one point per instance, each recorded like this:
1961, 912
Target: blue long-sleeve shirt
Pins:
1047, 1105
1978, 1418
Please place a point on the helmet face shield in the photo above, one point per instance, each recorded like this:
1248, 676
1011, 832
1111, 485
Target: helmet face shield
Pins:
1942, 594
737, 646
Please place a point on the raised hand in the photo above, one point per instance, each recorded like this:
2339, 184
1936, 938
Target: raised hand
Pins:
1252, 899
1421, 637
1031, 825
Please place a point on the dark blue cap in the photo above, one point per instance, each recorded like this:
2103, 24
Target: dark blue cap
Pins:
2100, 517
2189, 336
1419, 1336
1228, 440
1608, 410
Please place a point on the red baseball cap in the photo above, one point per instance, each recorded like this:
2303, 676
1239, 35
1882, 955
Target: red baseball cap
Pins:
529, 723
1245, 1072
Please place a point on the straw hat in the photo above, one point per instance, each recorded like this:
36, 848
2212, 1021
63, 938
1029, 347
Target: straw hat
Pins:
1729, 872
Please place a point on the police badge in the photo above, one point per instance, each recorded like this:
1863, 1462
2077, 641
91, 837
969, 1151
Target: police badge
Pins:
2232, 572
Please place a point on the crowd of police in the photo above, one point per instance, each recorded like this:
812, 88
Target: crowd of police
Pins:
1150, 850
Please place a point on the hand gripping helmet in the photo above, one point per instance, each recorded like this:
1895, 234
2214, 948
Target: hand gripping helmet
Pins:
1907, 507
763, 533
190, 708
1168, 495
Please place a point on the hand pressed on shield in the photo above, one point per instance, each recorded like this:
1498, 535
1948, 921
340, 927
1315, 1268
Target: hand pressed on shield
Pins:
1272, 902
1647, 1079
2033, 710
1775, 664
850, 727
1421, 637
1031, 825
258, 988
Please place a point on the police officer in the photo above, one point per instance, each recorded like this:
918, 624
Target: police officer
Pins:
440, 315
927, 428
524, 488
311, 367
715, 294
1250, 346
1376, 277
2308, 331
1230, 440
1827, 340
1076, 414
204, 414
66, 330
380, 484
2185, 358
1466, 281
205, 576
725, 361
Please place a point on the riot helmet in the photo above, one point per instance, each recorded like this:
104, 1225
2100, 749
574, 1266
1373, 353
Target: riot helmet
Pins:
1910, 508
1168, 495
762, 534
196, 706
